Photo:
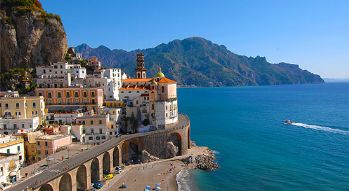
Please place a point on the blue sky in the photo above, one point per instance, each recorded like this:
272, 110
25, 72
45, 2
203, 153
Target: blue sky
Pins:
311, 33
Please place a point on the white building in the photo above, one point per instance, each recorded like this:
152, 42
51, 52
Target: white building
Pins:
9, 168
108, 79
13, 126
95, 128
12, 145
112, 73
152, 102
54, 81
61, 68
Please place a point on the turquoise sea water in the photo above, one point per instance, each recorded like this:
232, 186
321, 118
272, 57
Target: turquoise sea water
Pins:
256, 151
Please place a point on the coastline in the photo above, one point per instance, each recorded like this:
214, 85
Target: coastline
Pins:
164, 171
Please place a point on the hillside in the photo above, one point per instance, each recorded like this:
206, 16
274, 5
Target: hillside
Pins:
197, 61
28, 35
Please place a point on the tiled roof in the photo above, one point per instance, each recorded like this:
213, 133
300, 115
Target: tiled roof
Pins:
166, 81
137, 80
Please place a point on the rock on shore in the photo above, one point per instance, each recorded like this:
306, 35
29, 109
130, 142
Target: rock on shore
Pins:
206, 162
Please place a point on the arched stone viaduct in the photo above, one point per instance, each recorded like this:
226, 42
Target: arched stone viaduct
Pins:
81, 170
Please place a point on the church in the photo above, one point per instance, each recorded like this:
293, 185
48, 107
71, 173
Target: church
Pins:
151, 103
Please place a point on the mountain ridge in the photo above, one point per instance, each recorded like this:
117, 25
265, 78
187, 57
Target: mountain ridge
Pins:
200, 62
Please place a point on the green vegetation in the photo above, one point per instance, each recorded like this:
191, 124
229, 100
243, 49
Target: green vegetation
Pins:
34, 4
13, 80
21, 7
197, 61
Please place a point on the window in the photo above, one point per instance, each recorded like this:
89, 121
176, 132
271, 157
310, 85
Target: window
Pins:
76, 94
17, 105
34, 105
162, 89
5, 127
46, 143
38, 143
8, 151
49, 95
68, 94
97, 138
23, 126
90, 138
18, 148
59, 95
6, 106
15, 126
100, 122
93, 101
85, 94
92, 131
103, 137
93, 94
100, 131
91, 122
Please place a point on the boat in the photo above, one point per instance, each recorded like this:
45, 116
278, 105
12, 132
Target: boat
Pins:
288, 122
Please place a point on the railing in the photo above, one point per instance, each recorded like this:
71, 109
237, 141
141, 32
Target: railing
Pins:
67, 165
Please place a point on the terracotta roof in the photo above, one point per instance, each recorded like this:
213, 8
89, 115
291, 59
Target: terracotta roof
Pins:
134, 88
166, 81
137, 80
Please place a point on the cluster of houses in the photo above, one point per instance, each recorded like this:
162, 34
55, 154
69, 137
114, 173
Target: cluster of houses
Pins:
73, 105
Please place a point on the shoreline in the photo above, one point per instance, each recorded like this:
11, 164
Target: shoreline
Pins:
164, 171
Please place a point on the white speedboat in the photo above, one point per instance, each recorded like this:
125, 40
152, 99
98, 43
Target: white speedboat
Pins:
288, 122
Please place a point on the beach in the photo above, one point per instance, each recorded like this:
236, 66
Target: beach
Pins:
164, 171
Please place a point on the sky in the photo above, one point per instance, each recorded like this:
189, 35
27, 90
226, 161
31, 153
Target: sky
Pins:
311, 33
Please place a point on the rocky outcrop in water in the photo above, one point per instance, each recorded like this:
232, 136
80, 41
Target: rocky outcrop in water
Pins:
29, 36
206, 162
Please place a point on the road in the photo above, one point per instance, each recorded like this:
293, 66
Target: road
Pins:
59, 169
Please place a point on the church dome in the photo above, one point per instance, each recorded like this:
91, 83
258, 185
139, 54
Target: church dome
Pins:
159, 74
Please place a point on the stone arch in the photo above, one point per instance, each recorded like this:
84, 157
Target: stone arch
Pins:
81, 178
115, 157
176, 139
106, 162
46, 187
131, 151
65, 184
95, 170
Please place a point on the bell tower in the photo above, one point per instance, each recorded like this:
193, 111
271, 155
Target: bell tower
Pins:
141, 72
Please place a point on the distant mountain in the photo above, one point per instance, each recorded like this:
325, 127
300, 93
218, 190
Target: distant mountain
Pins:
197, 61
330, 80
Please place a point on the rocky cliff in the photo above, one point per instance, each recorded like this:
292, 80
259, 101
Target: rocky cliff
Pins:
29, 36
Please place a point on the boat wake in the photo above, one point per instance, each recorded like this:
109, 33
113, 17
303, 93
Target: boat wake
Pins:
321, 128
183, 180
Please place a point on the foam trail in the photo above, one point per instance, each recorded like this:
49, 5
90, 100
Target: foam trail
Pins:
321, 128
183, 180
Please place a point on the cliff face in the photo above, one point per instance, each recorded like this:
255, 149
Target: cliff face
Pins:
30, 38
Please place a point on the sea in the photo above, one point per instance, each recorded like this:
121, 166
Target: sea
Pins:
256, 150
